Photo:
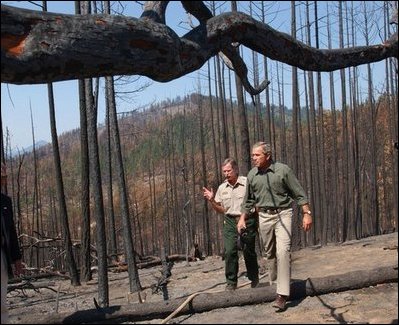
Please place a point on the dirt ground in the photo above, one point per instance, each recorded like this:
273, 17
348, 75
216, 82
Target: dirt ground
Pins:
376, 304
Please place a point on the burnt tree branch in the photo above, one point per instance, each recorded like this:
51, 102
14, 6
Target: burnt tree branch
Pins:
41, 47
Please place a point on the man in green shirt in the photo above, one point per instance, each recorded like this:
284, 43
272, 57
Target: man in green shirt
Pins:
228, 200
271, 188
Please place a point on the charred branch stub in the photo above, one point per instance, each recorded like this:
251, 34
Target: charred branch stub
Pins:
155, 11
41, 47
166, 272
229, 54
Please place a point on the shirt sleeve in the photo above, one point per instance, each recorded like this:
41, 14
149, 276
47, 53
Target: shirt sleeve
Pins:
217, 197
249, 200
296, 190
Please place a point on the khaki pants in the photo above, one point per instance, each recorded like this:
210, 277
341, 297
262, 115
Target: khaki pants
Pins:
275, 233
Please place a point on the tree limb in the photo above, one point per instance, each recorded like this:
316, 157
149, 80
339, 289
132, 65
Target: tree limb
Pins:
41, 47
230, 55
26, 284
155, 11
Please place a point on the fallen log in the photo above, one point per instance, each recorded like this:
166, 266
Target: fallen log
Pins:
47, 274
155, 261
208, 301
25, 285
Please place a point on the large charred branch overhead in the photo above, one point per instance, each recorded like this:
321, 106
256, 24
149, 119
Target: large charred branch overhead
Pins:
41, 47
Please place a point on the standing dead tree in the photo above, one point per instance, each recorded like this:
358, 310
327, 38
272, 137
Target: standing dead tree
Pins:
41, 47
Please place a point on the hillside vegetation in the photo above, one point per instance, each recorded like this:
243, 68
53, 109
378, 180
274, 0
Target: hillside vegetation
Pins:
172, 149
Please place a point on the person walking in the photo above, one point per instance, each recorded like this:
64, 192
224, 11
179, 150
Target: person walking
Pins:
10, 251
271, 189
228, 200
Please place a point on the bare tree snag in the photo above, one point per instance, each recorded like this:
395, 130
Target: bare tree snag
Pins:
209, 301
41, 47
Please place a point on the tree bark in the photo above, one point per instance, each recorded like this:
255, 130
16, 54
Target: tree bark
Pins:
95, 181
244, 160
73, 270
40, 47
344, 186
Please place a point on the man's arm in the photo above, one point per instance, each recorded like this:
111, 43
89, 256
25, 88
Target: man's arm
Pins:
299, 195
307, 217
241, 222
247, 205
209, 195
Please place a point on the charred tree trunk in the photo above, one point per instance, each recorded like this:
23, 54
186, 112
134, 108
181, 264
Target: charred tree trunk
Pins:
85, 257
344, 190
127, 230
244, 160
96, 185
333, 199
113, 247
205, 218
71, 263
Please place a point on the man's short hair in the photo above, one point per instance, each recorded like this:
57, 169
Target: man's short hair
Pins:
266, 147
232, 162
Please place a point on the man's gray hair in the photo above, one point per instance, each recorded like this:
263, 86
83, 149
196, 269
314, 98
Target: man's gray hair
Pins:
232, 162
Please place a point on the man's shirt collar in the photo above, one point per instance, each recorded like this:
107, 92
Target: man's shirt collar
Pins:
271, 167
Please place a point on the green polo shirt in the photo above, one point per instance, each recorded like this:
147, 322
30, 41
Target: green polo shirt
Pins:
277, 187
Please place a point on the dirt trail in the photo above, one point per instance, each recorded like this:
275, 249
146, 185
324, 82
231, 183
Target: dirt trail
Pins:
377, 304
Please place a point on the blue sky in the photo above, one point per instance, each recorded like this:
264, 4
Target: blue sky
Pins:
16, 100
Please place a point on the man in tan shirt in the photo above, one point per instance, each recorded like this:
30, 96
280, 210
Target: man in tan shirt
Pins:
228, 200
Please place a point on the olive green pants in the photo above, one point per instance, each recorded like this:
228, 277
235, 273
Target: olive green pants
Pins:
230, 235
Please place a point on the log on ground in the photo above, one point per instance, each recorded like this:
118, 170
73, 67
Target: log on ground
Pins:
209, 301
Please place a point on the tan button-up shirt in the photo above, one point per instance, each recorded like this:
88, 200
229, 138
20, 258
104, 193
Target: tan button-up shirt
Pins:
231, 196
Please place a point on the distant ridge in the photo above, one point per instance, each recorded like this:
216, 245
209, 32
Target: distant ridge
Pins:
29, 149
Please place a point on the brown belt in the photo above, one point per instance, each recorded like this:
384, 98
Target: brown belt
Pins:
233, 216
236, 217
272, 210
